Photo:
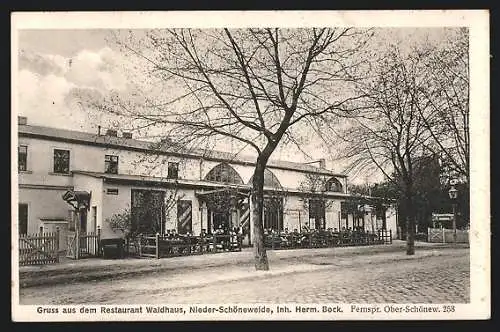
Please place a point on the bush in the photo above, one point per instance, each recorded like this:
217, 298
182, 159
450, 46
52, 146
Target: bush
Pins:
122, 222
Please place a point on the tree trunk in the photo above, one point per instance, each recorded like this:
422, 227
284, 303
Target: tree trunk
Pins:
260, 255
410, 225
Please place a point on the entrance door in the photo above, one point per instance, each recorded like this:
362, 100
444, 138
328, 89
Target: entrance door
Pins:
83, 221
23, 218
83, 228
218, 220
317, 212
273, 213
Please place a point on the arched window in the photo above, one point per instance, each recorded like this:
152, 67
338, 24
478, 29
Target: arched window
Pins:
270, 180
334, 185
224, 173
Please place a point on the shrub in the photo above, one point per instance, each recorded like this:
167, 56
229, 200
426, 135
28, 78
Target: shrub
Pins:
122, 222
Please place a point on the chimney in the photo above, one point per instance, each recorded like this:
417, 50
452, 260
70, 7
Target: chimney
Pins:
322, 163
127, 134
111, 132
22, 120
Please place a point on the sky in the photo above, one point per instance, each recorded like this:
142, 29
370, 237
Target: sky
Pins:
57, 67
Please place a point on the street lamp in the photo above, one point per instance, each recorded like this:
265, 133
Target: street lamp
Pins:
453, 193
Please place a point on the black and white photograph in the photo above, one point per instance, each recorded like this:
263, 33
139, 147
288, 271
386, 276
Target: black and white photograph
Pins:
250, 165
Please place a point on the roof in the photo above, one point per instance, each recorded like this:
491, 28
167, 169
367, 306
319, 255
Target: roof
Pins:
145, 146
158, 180
164, 182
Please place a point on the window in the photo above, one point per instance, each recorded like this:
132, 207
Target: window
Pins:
111, 164
173, 170
333, 185
224, 173
61, 161
22, 158
112, 191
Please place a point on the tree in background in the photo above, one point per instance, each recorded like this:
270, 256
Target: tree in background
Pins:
388, 132
415, 113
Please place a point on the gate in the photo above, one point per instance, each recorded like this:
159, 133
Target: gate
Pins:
39, 249
443, 235
87, 245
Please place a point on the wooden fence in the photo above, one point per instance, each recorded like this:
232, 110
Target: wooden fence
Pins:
326, 239
86, 246
159, 246
39, 249
444, 235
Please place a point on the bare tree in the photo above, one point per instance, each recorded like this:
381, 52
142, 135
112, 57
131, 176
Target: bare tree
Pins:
389, 132
252, 86
447, 95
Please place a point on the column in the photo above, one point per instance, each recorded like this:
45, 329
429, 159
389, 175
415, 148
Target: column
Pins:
203, 217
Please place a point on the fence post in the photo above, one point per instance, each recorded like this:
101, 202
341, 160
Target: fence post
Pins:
157, 238
310, 240
139, 238
98, 241
202, 242
77, 233
57, 244
444, 234
390, 236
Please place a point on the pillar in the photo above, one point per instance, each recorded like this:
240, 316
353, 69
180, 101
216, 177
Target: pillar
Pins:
203, 217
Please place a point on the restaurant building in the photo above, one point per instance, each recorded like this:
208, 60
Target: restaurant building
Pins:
167, 189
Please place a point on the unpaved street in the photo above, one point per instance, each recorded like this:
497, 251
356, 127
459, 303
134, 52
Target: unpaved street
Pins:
439, 277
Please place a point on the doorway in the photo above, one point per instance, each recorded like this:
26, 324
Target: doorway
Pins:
218, 220
23, 218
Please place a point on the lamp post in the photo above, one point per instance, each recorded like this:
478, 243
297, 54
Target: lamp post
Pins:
453, 193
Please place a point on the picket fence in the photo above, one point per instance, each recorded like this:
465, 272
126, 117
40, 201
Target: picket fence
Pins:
39, 249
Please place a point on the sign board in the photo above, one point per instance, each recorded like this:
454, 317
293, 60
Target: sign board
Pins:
442, 217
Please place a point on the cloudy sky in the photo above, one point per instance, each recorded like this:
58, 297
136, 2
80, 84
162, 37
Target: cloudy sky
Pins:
57, 67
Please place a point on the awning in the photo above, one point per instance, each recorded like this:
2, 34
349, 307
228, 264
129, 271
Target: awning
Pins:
77, 199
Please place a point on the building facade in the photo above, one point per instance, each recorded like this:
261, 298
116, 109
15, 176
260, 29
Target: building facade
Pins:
166, 189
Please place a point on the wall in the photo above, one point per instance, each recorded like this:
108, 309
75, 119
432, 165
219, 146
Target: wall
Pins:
91, 158
43, 203
93, 186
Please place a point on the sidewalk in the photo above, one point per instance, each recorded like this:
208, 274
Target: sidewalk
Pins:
70, 271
